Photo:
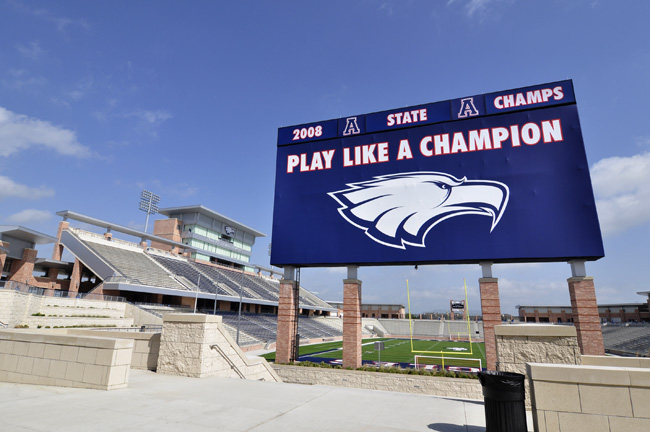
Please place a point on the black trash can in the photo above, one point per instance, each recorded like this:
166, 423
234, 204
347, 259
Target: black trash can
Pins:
504, 395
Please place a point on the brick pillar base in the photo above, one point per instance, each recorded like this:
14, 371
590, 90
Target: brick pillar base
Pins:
23, 270
75, 278
585, 315
286, 339
3, 254
58, 247
351, 323
491, 310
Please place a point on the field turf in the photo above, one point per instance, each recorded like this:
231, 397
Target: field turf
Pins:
399, 351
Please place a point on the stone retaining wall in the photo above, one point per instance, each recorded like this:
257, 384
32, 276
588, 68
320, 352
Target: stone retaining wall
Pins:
198, 345
633, 362
568, 398
518, 344
145, 345
46, 358
437, 386
17, 308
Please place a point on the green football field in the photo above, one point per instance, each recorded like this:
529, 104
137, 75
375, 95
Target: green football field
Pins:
403, 351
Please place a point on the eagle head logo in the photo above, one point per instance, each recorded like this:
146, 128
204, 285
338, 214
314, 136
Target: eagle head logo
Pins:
400, 209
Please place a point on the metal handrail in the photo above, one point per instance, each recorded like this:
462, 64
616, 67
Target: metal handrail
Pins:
227, 359
145, 328
48, 292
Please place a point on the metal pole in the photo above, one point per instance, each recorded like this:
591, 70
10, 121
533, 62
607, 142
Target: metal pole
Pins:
146, 223
196, 299
216, 299
239, 314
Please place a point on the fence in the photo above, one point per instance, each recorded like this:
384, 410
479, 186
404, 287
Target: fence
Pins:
48, 292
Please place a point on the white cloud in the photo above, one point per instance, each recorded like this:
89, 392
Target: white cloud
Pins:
480, 8
20, 79
528, 292
60, 22
622, 190
19, 132
11, 189
32, 51
153, 118
643, 141
149, 121
29, 216
386, 8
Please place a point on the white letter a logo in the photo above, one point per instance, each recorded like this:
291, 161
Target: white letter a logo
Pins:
467, 108
351, 126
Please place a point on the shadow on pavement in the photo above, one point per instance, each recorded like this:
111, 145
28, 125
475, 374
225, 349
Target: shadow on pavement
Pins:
448, 427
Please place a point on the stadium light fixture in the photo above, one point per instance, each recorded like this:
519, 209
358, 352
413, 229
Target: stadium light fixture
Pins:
149, 204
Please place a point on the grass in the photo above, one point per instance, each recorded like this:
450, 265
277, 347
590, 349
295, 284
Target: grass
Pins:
399, 350
310, 349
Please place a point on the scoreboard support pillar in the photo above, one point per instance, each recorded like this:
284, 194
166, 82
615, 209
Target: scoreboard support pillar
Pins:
491, 310
352, 320
287, 303
585, 311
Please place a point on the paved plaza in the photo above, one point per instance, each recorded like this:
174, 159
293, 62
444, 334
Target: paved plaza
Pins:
160, 403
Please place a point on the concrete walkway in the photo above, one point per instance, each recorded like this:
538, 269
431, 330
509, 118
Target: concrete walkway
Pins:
162, 403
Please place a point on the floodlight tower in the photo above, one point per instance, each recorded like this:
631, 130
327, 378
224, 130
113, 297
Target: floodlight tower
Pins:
149, 204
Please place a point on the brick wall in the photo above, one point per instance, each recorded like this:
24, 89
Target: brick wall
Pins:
22, 270
352, 323
286, 334
168, 229
585, 315
491, 310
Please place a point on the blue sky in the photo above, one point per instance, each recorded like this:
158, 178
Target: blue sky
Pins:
99, 100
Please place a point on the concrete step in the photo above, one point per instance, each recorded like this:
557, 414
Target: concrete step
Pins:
35, 321
67, 311
91, 304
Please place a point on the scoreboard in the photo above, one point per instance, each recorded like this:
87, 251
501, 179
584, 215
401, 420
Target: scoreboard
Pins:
499, 177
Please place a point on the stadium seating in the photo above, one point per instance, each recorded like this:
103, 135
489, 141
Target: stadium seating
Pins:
135, 265
429, 328
261, 328
627, 338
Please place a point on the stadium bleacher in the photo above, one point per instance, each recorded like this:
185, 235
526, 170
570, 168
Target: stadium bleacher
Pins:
262, 328
161, 269
135, 265
629, 338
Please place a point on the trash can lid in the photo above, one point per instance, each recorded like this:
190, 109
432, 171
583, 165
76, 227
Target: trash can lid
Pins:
504, 381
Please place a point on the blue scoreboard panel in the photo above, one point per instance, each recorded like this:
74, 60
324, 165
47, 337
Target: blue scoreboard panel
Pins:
501, 177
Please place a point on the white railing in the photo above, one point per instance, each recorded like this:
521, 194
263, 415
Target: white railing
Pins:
48, 292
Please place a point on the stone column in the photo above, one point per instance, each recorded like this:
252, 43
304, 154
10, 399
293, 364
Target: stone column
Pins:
185, 344
58, 247
287, 303
491, 310
585, 310
352, 320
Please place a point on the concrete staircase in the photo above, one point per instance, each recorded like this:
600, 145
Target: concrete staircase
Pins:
63, 312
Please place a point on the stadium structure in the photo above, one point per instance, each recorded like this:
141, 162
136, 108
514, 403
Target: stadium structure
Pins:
625, 326
375, 310
198, 257
609, 313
